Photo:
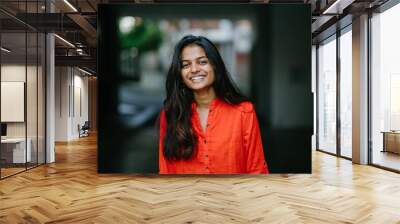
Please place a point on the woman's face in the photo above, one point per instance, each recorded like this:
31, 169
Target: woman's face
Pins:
197, 71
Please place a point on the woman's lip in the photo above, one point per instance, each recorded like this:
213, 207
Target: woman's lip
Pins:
197, 77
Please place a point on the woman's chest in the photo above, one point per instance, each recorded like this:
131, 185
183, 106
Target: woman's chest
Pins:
218, 128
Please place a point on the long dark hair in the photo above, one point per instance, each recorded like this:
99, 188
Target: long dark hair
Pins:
180, 140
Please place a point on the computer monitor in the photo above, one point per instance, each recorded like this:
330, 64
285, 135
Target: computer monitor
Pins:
3, 129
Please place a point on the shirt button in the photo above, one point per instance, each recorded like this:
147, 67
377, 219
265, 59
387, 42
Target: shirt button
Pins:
205, 141
206, 155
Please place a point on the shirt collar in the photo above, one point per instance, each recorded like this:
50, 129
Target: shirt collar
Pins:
214, 104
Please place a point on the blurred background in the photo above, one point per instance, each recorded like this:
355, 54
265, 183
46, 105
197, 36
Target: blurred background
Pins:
146, 53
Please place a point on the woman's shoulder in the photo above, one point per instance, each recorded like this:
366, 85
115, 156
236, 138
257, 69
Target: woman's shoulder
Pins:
245, 107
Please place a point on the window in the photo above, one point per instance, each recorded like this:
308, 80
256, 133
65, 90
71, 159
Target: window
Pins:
346, 92
385, 88
327, 95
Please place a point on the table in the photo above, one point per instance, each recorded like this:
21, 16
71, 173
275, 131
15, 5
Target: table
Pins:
391, 141
15, 148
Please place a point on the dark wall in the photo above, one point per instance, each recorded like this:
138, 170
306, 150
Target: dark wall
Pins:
282, 87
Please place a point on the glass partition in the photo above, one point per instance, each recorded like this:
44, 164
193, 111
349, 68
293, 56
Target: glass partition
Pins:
13, 109
22, 88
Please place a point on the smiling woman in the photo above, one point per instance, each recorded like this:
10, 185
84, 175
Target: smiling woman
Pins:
206, 126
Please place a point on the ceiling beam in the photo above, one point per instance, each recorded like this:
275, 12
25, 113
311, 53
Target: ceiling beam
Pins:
337, 6
86, 27
83, 61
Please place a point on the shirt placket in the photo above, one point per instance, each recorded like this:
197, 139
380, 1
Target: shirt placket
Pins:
206, 140
207, 143
204, 137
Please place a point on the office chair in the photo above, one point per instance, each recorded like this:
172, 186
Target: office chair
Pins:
84, 130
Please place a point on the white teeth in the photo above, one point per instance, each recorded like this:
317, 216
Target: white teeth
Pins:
197, 78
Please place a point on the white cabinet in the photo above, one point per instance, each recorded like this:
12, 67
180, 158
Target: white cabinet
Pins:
19, 155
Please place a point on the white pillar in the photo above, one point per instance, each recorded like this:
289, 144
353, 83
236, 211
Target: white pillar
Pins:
360, 90
50, 91
50, 110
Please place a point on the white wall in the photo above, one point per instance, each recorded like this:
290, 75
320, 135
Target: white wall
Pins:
71, 102
16, 73
80, 101
62, 81
12, 73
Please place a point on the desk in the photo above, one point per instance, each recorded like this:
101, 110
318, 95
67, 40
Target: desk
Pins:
391, 141
16, 147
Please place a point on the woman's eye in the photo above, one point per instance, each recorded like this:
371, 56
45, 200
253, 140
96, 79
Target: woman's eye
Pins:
185, 65
203, 62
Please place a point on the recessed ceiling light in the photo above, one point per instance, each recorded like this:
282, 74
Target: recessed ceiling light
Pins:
65, 41
70, 5
84, 71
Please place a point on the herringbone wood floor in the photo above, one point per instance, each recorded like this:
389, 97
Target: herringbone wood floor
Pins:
71, 191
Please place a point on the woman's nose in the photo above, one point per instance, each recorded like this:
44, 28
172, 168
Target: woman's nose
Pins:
194, 68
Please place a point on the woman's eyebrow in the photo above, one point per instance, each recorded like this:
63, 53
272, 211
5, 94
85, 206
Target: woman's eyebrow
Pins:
194, 59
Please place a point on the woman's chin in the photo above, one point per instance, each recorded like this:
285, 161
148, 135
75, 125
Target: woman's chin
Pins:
197, 87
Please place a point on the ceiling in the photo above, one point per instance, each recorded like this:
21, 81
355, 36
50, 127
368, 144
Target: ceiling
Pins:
76, 22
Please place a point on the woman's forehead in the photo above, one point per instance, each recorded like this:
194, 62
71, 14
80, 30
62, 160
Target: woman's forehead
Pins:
192, 52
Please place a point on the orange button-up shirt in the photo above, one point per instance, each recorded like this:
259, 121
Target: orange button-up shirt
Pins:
231, 143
